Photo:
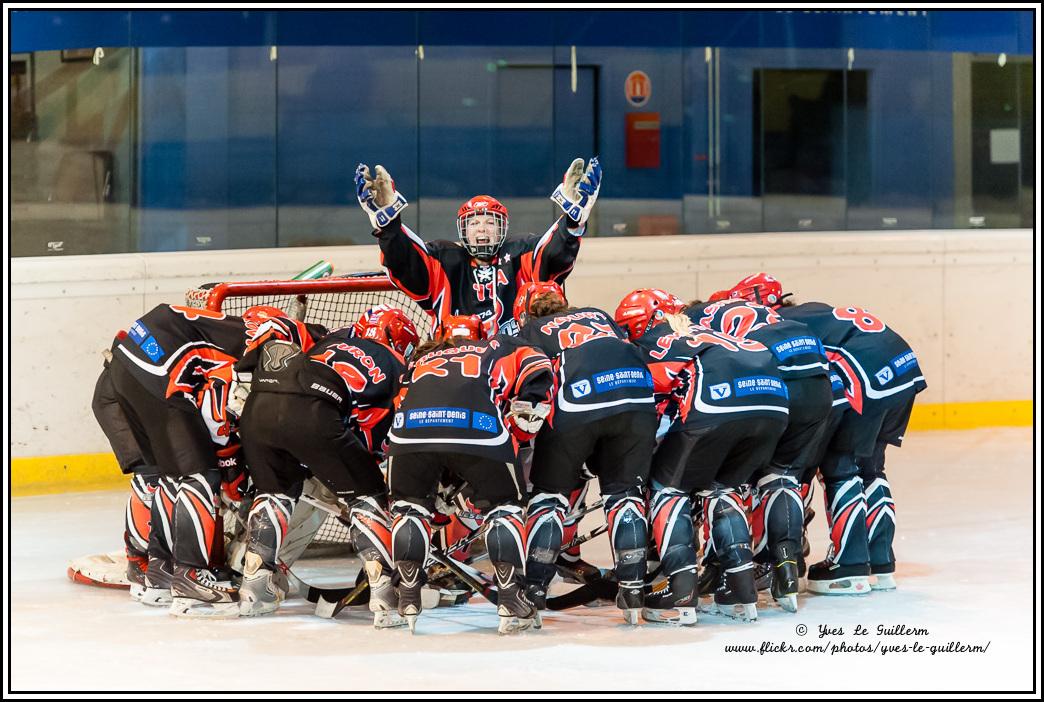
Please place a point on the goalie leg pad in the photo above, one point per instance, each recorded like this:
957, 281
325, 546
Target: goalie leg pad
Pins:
195, 519
544, 529
506, 536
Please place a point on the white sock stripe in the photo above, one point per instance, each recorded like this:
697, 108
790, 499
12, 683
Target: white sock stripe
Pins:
406, 505
207, 503
166, 531
550, 497
771, 477
880, 517
199, 479
740, 569
858, 514
878, 483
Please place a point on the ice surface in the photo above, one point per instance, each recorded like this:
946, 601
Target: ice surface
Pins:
965, 538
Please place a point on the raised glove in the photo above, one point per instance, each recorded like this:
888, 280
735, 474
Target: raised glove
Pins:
579, 190
377, 195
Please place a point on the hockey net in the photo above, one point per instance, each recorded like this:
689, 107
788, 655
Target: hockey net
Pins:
334, 302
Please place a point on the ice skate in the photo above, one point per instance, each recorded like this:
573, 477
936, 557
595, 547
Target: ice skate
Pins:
630, 598
136, 567
516, 612
197, 592
882, 576
672, 601
158, 579
829, 578
411, 579
784, 585
384, 600
736, 596
262, 590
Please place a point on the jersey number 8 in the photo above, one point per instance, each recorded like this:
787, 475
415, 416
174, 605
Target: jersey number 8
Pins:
863, 320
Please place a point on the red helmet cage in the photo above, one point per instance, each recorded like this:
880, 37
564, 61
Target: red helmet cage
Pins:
477, 206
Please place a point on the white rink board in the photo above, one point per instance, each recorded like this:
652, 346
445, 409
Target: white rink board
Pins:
964, 504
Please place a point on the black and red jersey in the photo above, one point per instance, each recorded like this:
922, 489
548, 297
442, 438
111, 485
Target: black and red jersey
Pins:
873, 361
444, 279
703, 378
799, 352
598, 373
184, 354
456, 400
360, 376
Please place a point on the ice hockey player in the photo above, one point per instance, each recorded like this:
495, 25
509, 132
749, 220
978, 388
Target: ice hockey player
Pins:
777, 515
323, 410
882, 377
171, 375
728, 405
604, 416
481, 274
466, 403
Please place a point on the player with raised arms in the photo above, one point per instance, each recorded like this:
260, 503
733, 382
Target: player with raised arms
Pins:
480, 273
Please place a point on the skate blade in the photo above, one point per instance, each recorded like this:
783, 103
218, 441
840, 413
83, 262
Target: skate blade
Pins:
411, 622
513, 625
677, 616
858, 585
388, 620
740, 612
256, 609
187, 608
631, 615
788, 602
137, 592
155, 597
883, 582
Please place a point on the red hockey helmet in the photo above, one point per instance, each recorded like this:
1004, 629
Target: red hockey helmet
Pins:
527, 292
468, 326
259, 313
718, 296
760, 288
389, 326
641, 309
489, 235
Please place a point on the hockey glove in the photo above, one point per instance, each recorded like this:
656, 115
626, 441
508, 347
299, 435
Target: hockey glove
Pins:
579, 190
528, 417
234, 478
377, 196
238, 393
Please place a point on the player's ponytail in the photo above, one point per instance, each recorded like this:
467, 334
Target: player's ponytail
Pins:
680, 323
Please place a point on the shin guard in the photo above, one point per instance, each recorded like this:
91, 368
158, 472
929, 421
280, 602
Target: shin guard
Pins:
196, 531
410, 532
880, 524
729, 536
371, 530
506, 535
138, 519
628, 535
545, 530
777, 515
846, 510
267, 525
570, 526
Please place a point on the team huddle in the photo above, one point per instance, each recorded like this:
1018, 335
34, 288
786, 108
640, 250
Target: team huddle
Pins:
705, 424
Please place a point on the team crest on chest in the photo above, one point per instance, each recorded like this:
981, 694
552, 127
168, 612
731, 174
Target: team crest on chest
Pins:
484, 274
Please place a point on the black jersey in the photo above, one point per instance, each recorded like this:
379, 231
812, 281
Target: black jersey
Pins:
455, 400
444, 279
874, 362
184, 355
598, 373
799, 352
704, 378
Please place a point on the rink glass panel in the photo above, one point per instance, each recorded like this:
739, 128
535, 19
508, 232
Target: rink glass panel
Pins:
169, 149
